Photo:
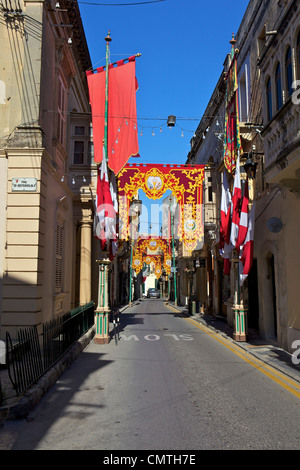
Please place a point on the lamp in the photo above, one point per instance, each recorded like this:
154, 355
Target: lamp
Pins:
171, 121
250, 167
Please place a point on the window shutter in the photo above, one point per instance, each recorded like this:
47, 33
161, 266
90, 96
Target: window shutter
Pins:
59, 258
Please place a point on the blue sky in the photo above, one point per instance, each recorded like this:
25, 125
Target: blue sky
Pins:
183, 45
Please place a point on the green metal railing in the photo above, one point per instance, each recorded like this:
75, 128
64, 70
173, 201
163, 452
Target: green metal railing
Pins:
32, 355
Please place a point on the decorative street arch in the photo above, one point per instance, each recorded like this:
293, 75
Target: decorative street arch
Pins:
186, 184
152, 244
156, 260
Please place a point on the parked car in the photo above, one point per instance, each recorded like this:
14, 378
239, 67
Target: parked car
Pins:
153, 293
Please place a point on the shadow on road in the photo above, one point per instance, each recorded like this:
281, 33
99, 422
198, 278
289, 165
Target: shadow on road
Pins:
63, 394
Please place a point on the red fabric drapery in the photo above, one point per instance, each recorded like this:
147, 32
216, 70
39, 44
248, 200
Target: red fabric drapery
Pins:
122, 120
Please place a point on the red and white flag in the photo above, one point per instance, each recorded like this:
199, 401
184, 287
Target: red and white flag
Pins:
105, 216
109, 210
113, 248
98, 228
236, 202
243, 226
225, 224
225, 214
145, 273
246, 254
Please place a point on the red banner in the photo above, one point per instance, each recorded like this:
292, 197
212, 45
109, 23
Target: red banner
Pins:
122, 120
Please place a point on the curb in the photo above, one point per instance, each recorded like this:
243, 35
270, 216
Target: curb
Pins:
177, 309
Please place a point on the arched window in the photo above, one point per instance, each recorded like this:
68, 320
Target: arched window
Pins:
269, 99
289, 72
278, 87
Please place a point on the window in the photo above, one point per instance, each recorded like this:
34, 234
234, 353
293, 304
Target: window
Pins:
79, 144
278, 87
289, 72
59, 258
269, 99
79, 130
261, 42
244, 91
81, 141
78, 152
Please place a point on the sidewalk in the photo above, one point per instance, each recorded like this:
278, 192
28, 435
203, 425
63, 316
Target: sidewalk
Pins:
18, 407
262, 349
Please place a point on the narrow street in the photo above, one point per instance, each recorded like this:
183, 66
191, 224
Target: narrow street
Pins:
166, 385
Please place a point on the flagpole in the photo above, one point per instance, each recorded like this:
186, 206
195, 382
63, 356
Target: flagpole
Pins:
116, 63
102, 310
173, 251
240, 333
108, 40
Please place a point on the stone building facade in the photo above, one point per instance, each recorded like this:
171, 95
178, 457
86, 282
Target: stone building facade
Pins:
46, 163
278, 251
268, 44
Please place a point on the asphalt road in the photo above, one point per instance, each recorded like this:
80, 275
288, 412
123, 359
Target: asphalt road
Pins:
166, 385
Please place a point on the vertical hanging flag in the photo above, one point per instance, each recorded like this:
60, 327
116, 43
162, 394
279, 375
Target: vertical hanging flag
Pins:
122, 138
145, 273
243, 225
246, 255
232, 144
97, 217
99, 211
113, 191
225, 224
114, 198
109, 210
236, 202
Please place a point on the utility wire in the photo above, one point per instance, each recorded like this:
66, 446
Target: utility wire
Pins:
277, 190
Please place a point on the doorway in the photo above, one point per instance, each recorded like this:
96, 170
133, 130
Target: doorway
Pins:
253, 305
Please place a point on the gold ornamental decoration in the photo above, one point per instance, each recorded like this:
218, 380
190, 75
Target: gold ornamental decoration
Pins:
153, 244
186, 184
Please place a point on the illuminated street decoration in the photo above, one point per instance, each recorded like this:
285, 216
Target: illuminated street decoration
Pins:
186, 184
